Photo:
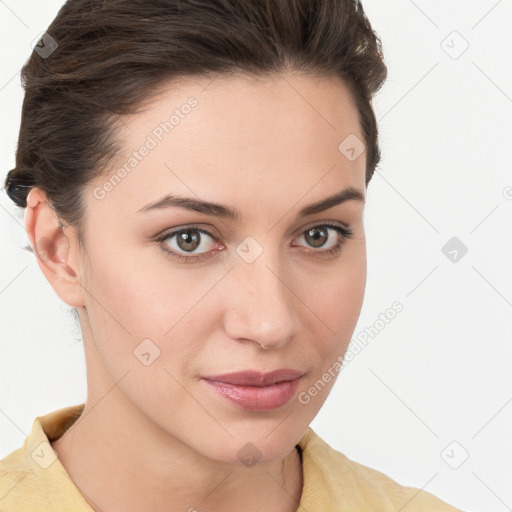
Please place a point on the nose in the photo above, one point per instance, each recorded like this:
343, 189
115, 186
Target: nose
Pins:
262, 306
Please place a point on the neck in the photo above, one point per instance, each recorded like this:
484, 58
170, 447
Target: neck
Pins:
119, 461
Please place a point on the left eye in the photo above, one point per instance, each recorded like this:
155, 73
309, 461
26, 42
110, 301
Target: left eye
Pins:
189, 239
318, 235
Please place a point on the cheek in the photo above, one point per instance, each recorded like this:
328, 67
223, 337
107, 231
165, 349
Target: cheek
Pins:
338, 307
335, 296
131, 301
337, 300
136, 293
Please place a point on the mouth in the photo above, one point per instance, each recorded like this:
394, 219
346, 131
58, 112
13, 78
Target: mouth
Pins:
256, 391
256, 378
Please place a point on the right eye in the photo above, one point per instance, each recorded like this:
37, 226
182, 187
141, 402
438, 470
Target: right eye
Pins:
187, 239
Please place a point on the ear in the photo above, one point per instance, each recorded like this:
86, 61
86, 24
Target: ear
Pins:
53, 249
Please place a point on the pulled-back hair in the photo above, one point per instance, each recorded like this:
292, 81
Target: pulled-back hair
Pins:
101, 59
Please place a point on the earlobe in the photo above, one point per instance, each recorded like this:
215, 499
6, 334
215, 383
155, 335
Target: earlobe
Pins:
52, 248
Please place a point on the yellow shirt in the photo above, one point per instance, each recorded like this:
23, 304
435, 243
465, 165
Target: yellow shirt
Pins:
32, 479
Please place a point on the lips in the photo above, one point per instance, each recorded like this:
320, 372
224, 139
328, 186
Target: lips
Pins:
255, 391
256, 378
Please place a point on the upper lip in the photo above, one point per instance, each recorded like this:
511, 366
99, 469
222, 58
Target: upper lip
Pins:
256, 378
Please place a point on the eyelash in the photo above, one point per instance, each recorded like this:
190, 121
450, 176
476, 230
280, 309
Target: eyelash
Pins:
344, 232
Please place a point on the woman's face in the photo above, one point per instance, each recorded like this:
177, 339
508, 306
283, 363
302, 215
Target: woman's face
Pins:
264, 292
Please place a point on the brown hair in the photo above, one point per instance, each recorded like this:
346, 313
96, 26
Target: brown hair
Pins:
101, 59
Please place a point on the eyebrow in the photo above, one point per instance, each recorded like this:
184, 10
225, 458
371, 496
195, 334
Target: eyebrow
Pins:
218, 210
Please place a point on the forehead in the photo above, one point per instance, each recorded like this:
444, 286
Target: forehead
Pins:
257, 136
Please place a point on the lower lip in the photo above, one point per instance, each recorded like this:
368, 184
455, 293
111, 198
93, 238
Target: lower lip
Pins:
254, 398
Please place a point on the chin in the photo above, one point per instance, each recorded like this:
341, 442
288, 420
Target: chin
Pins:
248, 449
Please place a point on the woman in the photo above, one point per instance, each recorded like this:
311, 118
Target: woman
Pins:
194, 178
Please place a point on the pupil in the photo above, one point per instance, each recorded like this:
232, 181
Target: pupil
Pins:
319, 239
185, 239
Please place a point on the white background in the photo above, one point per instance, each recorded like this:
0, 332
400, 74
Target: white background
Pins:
441, 370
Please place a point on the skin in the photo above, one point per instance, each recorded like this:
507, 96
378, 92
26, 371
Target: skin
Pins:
156, 438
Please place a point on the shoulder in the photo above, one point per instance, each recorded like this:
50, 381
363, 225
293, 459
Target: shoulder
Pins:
32, 479
20, 488
350, 484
